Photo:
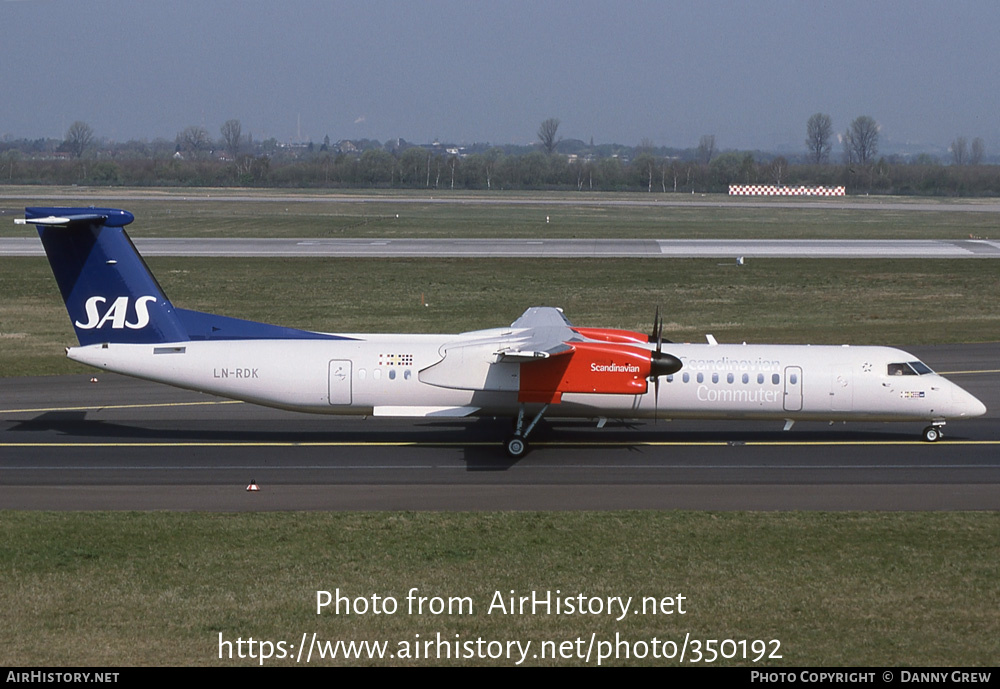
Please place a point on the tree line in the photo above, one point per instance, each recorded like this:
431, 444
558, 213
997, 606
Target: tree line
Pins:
235, 159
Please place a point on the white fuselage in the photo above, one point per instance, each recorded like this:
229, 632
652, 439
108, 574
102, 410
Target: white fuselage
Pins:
406, 375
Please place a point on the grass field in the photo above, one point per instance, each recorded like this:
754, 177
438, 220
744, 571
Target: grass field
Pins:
903, 589
235, 213
862, 589
868, 301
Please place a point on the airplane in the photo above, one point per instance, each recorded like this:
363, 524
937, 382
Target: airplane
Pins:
540, 364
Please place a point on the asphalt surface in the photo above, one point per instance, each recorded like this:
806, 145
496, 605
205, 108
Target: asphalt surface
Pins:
87, 196
68, 443
540, 248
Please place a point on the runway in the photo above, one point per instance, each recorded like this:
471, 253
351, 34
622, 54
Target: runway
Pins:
106, 196
67, 443
540, 248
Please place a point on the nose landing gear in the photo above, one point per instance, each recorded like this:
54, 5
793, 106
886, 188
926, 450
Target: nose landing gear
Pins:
933, 433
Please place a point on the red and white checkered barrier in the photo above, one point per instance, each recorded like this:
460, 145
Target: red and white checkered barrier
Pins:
774, 190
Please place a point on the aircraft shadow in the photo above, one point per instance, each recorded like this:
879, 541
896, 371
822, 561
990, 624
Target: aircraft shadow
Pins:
480, 439
454, 431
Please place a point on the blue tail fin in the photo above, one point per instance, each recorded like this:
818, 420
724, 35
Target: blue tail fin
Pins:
112, 296
109, 292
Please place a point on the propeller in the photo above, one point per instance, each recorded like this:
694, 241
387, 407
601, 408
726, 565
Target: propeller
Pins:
660, 364
657, 334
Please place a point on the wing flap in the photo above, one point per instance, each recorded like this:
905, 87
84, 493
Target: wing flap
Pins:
521, 355
424, 412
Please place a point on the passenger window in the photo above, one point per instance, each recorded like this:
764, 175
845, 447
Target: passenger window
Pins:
775, 379
760, 379
730, 378
793, 379
392, 374
362, 374
715, 377
687, 377
746, 378
701, 377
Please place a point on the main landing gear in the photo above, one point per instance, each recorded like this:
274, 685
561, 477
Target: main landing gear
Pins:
933, 433
517, 445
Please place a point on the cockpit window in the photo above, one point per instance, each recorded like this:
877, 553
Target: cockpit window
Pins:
901, 370
912, 368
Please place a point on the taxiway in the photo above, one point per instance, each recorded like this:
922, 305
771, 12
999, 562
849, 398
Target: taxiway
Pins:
67, 443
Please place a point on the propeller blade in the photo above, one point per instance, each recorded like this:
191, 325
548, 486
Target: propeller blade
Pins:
656, 335
656, 399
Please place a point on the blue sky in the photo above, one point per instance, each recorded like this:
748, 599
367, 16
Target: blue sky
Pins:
751, 73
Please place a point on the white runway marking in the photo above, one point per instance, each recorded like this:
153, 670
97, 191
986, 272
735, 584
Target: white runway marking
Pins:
563, 248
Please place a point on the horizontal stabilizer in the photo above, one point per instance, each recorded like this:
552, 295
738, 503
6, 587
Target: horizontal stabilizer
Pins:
58, 220
59, 217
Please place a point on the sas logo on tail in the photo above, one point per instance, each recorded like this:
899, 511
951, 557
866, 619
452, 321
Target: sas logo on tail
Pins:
117, 313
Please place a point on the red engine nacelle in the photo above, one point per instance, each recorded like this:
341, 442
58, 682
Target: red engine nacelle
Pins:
591, 367
613, 335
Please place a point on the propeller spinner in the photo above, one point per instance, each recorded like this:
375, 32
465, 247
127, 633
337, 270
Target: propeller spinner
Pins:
661, 364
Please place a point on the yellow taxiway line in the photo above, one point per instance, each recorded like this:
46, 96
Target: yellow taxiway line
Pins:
553, 443
965, 373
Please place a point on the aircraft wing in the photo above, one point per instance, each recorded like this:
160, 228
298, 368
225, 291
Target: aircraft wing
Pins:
542, 316
541, 357
545, 333
491, 360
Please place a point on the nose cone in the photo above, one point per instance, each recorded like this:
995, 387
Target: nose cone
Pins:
664, 364
965, 405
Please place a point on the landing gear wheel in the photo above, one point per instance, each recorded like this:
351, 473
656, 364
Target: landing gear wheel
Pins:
516, 447
932, 434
